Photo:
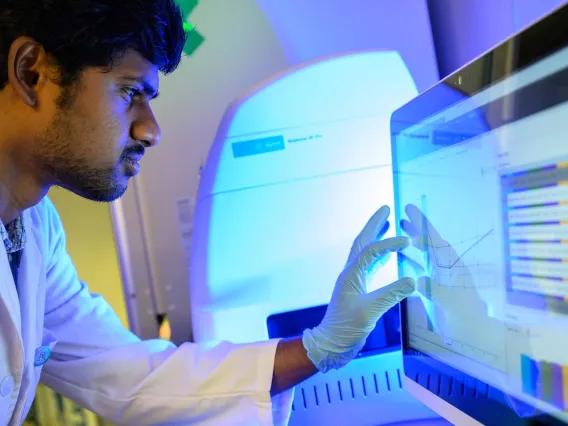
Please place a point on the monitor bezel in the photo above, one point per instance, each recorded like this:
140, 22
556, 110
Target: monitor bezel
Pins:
479, 402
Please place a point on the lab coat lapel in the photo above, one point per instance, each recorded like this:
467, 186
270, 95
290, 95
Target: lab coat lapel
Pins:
8, 293
30, 283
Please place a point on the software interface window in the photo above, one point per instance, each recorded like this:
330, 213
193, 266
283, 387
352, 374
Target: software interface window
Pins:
483, 186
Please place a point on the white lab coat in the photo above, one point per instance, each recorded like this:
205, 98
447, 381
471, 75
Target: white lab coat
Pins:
106, 368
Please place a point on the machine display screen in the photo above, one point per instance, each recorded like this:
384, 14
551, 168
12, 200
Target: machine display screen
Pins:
480, 168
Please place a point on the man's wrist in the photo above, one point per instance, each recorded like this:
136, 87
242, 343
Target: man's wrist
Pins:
291, 365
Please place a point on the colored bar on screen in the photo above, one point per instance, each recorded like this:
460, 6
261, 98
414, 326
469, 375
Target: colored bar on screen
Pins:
561, 222
526, 375
557, 386
428, 291
546, 381
539, 259
529, 206
544, 277
536, 383
565, 384
526, 241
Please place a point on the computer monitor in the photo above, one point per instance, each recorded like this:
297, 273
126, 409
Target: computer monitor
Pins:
480, 166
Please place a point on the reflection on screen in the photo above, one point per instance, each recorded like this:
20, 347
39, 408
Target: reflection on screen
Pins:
482, 190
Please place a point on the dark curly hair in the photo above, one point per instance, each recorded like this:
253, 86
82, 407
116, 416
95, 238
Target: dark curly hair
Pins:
78, 34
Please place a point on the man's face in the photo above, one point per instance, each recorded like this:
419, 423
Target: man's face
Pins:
99, 128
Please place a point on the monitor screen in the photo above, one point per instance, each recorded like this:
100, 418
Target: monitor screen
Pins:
480, 166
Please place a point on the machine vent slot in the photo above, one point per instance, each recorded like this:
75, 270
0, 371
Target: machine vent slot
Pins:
346, 389
356, 387
485, 390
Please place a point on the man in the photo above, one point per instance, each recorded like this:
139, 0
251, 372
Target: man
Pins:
76, 79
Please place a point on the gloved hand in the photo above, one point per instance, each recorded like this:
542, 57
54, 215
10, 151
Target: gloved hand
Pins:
353, 313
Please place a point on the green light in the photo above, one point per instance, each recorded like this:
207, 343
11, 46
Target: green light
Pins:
194, 38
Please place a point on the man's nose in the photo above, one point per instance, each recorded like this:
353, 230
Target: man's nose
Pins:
146, 130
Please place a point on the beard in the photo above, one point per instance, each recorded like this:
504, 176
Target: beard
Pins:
65, 156
93, 184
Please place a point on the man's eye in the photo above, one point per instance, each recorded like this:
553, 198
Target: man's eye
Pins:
131, 92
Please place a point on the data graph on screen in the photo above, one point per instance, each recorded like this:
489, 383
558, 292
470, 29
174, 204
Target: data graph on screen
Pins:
460, 249
454, 262
461, 253
536, 221
459, 259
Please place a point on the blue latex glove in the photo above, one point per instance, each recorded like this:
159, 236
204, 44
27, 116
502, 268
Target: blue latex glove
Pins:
353, 313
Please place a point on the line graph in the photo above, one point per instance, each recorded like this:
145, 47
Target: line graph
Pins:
458, 240
441, 257
454, 262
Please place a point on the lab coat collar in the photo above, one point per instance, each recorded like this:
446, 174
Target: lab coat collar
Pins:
8, 293
23, 315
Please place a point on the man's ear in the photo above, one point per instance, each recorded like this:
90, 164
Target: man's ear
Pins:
26, 69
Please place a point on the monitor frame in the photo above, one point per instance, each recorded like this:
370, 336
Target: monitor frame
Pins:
426, 378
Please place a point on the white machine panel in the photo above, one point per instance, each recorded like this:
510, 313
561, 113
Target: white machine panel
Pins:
298, 167
314, 120
281, 248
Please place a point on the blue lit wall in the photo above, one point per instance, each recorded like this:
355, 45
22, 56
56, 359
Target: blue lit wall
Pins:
316, 28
